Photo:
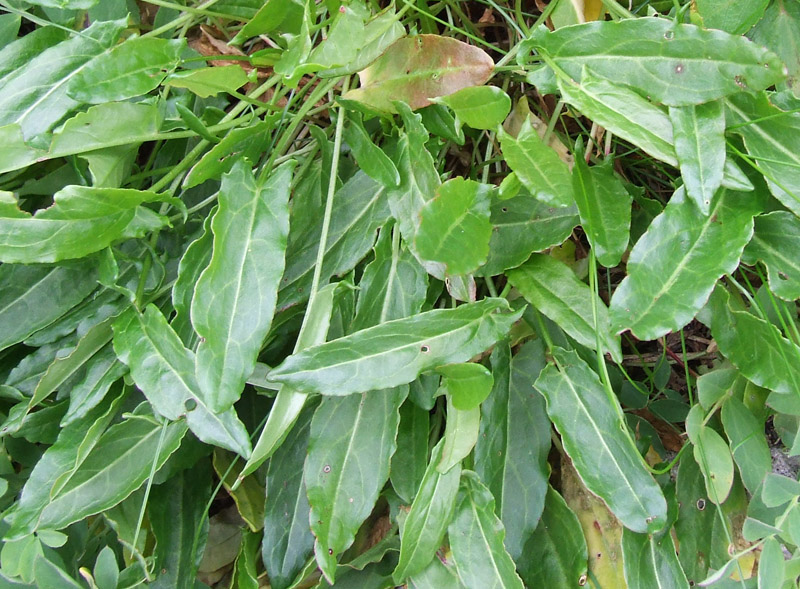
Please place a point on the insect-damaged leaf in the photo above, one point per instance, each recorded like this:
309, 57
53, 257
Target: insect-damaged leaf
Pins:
396, 352
417, 68
234, 298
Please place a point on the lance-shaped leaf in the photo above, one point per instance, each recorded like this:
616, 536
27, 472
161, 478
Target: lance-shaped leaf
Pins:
480, 107
776, 240
673, 267
117, 466
537, 166
454, 227
130, 69
460, 435
556, 554
651, 561
21, 50
417, 68
396, 352
422, 531
193, 262
35, 94
476, 539
288, 542
81, 221
523, 225
756, 347
699, 132
351, 443
596, 440
371, 158
748, 445
605, 208
552, 287
408, 462
772, 137
209, 81
235, 296
511, 453
33, 297
164, 370
672, 63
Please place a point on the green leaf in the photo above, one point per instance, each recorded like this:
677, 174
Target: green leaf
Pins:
288, 542
522, 225
467, 384
272, 15
209, 81
164, 370
673, 267
552, 287
476, 538
771, 565
49, 574
117, 466
651, 561
779, 30
460, 435
729, 15
371, 158
234, 298
772, 138
511, 453
776, 238
423, 530
33, 297
596, 439
193, 262
480, 107
417, 68
82, 220
699, 132
537, 166
555, 555
396, 352
716, 463
454, 227
755, 346
672, 63
101, 371
106, 570
748, 444
779, 490
351, 442
408, 462
248, 494
35, 94
604, 206
20, 51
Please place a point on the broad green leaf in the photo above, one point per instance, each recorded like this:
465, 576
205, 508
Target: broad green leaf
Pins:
748, 444
423, 530
20, 51
209, 81
772, 138
651, 561
106, 570
476, 539
605, 208
288, 542
659, 58
234, 298
522, 225
49, 574
81, 221
359, 208
776, 239
596, 440
714, 385
408, 462
417, 68
460, 435
716, 463
755, 346
177, 513
537, 166
454, 227
396, 352
480, 107
699, 132
779, 30
771, 565
552, 287
117, 465
673, 267
65, 4
393, 285
272, 15
351, 442
555, 554
511, 453
164, 371
56, 466
16, 153
436, 575
466, 384
193, 262
371, 158
33, 297
130, 69
35, 94
101, 371
730, 15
